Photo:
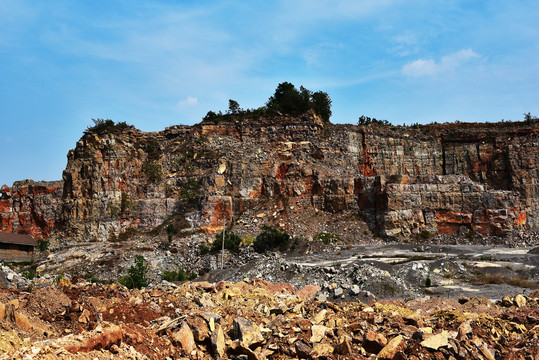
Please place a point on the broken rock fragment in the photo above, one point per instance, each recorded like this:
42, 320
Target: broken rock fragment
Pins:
246, 332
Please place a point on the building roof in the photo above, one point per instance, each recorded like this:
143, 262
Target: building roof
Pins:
19, 239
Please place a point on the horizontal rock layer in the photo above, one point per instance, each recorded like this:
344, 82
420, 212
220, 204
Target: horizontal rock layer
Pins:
437, 178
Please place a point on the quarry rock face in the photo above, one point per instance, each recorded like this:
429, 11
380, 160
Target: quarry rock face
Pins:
439, 179
30, 207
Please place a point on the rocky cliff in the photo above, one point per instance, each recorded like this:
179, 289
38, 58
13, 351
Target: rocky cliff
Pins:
30, 207
403, 181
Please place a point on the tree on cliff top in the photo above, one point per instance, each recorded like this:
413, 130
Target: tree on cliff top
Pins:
289, 100
102, 126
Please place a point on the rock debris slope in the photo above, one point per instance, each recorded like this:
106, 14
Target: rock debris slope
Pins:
257, 320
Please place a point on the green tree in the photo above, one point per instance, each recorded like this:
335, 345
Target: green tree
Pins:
321, 104
232, 241
287, 100
233, 107
271, 238
136, 274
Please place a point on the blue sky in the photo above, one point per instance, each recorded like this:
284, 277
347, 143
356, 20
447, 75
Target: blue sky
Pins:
158, 63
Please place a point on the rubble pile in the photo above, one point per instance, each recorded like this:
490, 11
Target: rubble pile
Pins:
256, 319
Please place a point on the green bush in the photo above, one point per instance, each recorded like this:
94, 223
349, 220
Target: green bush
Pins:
42, 245
136, 274
232, 241
171, 230
179, 275
102, 126
271, 238
30, 274
153, 171
125, 203
204, 249
425, 235
428, 281
326, 237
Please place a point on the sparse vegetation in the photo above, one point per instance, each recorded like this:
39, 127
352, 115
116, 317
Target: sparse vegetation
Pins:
136, 274
425, 235
125, 203
204, 249
171, 231
232, 241
190, 191
153, 171
365, 120
42, 245
479, 278
30, 274
271, 238
326, 238
178, 275
287, 100
102, 126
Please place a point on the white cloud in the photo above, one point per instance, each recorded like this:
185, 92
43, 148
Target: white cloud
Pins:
188, 101
428, 67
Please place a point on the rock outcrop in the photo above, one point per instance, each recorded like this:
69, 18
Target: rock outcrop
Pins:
436, 179
30, 207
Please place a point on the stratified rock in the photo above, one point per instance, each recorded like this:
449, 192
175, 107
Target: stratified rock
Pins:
433, 180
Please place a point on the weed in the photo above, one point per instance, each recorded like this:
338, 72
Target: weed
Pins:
136, 274
30, 274
42, 245
179, 275
326, 238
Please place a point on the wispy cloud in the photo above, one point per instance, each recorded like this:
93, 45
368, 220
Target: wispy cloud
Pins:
429, 67
188, 101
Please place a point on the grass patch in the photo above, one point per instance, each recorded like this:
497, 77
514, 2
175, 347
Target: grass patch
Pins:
484, 279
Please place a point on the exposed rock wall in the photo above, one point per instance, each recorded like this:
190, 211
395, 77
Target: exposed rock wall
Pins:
443, 178
30, 207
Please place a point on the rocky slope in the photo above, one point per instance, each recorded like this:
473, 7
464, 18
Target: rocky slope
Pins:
256, 320
402, 181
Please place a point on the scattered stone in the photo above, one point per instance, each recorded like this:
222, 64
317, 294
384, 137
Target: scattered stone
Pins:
374, 342
246, 332
520, 301
392, 348
437, 341
184, 336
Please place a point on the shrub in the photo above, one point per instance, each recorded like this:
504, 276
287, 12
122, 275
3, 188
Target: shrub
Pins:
102, 126
428, 282
125, 203
326, 237
204, 249
425, 235
271, 238
136, 274
171, 230
30, 274
232, 241
179, 275
42, 245
153, 171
